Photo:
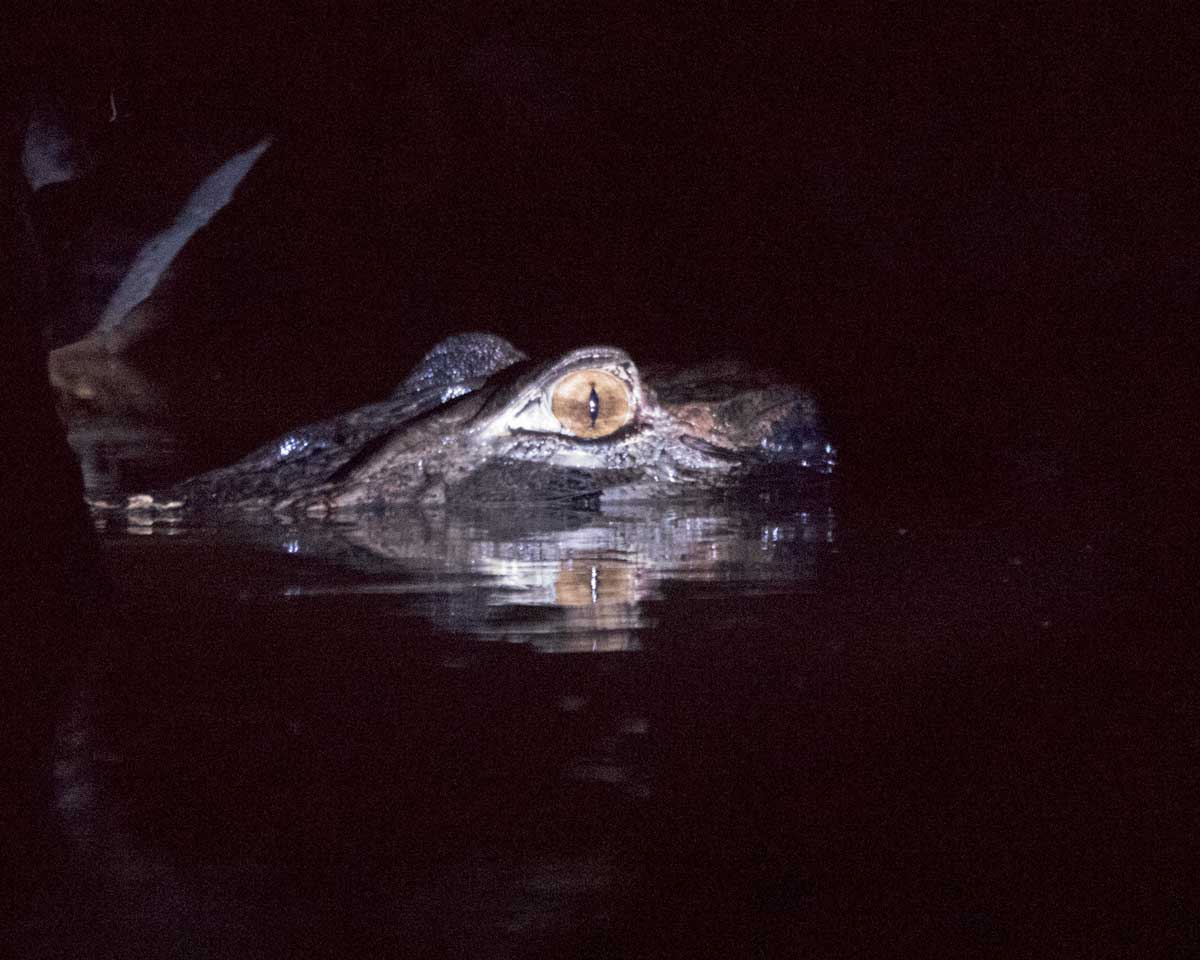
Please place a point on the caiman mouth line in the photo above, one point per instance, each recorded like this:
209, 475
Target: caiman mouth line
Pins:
711, 450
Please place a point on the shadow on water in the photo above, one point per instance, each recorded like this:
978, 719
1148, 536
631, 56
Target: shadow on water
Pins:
705, 729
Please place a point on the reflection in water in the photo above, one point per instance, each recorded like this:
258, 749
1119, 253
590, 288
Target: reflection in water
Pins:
562, 580
296, 715
119, 454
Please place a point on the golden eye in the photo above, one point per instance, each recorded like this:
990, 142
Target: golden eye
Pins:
591, 403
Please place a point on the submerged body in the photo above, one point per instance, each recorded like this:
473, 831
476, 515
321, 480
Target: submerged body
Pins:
477, 422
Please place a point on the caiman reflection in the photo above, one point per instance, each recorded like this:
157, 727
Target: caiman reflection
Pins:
477, 423
561, 580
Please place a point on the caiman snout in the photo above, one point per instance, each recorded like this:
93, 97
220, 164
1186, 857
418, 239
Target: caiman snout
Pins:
795, 439
766, 425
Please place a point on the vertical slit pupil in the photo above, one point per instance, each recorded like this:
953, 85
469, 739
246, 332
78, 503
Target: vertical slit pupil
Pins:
593, 405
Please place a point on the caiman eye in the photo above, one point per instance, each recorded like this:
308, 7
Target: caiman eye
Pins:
591, 403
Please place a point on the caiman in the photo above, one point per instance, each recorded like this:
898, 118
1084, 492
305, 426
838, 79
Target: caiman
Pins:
478, 423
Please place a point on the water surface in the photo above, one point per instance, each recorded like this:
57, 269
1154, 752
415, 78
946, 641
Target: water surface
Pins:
704, 729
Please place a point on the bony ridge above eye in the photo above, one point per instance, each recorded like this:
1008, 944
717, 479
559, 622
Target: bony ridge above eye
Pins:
591, 403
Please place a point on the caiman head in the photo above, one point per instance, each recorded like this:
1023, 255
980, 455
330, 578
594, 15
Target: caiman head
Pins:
586, 425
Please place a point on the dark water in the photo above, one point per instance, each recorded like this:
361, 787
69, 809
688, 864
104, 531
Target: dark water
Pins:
705, 729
